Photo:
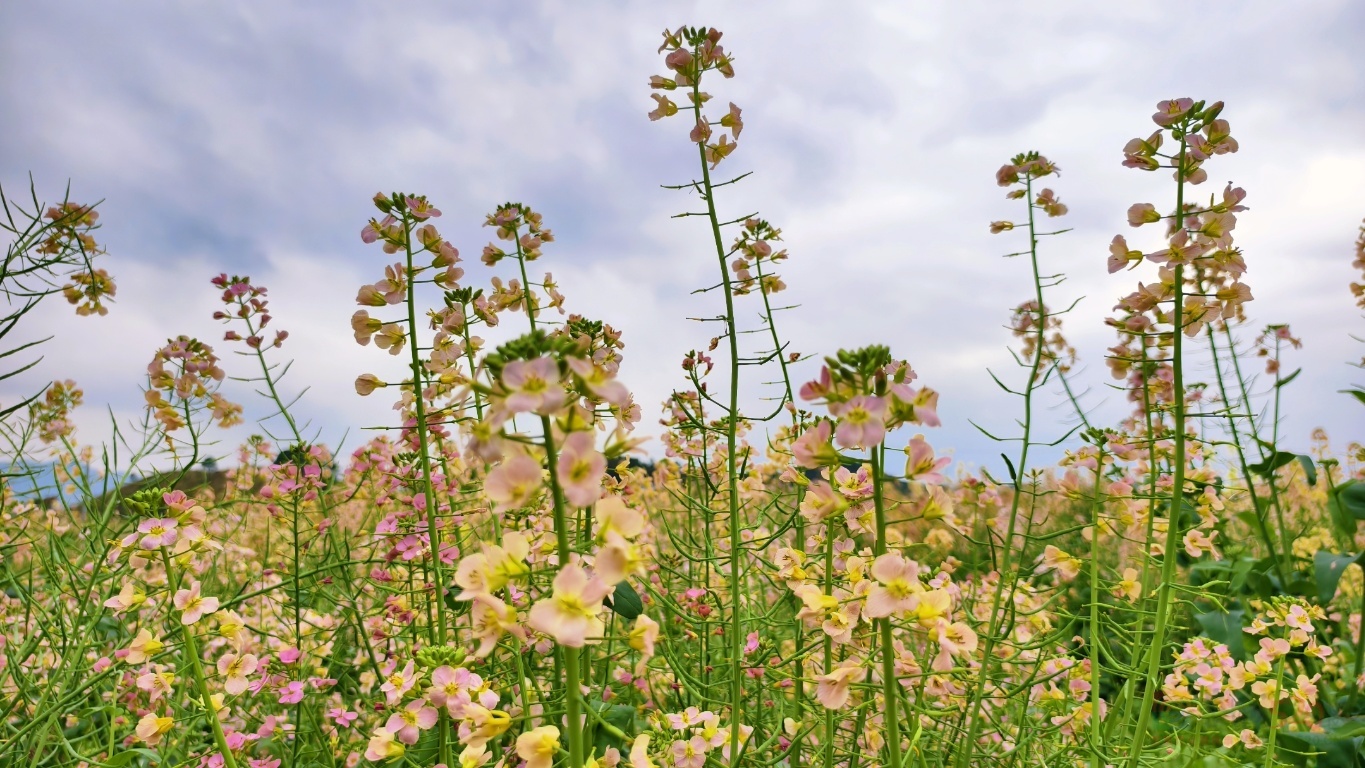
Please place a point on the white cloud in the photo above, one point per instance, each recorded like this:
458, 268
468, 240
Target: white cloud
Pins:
249, 140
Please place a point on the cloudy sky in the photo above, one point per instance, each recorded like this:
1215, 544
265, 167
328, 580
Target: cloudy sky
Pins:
249, 138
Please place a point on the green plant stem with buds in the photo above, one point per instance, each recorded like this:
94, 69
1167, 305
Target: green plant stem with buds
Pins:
1167, 586
736, 635
967, 748
424, 459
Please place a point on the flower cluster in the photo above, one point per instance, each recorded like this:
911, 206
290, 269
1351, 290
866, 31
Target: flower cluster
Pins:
246, 303
692, 52
184, 376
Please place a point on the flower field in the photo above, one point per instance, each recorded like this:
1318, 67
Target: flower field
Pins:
512, 576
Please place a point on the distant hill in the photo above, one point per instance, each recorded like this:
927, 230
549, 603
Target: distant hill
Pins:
38, 482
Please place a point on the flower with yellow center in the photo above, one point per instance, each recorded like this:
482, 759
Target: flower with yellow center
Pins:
572, 614
538, 746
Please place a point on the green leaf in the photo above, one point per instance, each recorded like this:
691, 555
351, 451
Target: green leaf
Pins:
1285, 381
1310, 470
1240, 572
1263, 580
619, 716
1214, 761
1225, 628
128, 755
1357, 393
1274, 461
1343, 727
1327, 570
1344, 521
457, 607
1332, 752
626, 602
1351, 496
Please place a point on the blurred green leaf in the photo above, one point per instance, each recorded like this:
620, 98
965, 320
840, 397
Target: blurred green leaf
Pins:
128, 755
1285, 381
626, 602
1357, 393
1273, 462
1327, 570
1351, 496
1310, 470
1331, 751
1224, 628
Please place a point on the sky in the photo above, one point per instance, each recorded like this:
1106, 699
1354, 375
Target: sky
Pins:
248, 138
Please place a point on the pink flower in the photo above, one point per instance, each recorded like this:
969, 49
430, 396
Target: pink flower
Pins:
664, 107
342, 717
1053, 559
157, 532
420, 208
532, 385
408, 723
372, 231
600, 382
832, 689
643, 636
922, 404
151, 728
690, 753
234, 669
897, 587
679, 60
818, 389
920, 463
514, 482
1143, 213
1170, 112
862, 422
581, 468
364, 326
854, 486
292, 693
383, 746
1120, 255
538, 746
813, 448
192, 605
822, 502
447, 685
143, 647
399, 683
1232, 199
572, 614
128, 597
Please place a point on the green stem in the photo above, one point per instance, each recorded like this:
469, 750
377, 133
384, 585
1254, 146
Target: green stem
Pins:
1168, 558
1261, 525
424, 457
572, 677
973, 729
1096, 505
1275, 714
731, 440
889, 683
197, 670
